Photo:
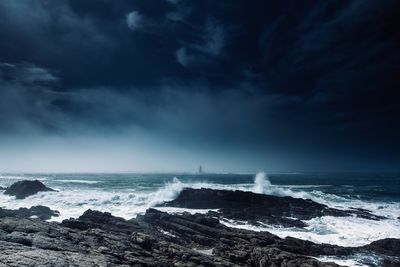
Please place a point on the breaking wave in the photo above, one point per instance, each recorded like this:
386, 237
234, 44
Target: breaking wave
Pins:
78, 181
262, 185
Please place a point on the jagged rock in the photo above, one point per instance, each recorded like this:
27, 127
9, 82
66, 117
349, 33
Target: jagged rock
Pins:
111, 241
158, 239
23, 189
254, 208
41, 212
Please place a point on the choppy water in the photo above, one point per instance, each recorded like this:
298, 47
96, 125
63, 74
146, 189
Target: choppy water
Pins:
128, 195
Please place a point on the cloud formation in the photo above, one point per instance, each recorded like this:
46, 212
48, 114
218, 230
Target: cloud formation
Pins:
134, 20
282, 80
25, 73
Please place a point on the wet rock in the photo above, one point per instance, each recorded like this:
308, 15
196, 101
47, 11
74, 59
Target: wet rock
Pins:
156, 239
254, 208
40, 212
23, 189
391, 263
387, 246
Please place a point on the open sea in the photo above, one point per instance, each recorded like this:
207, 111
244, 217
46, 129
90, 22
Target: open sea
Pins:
127, 195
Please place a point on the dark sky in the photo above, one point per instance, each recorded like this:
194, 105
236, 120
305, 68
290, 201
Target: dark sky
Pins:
166, 85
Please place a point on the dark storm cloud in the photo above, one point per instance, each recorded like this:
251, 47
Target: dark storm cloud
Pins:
290, 76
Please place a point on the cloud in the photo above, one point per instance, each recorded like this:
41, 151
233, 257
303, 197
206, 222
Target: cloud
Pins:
207, 49
26, 73
173, 1
214, 39
134, 20
209, 72
183, 57
49, 34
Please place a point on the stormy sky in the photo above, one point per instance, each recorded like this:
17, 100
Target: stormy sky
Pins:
167, 85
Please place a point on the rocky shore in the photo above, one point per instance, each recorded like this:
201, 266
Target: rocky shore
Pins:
161, 239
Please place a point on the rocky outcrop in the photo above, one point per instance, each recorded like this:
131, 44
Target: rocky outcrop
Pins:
157, 239
23, 189
41, 212
391, 263
387, 246
255, 208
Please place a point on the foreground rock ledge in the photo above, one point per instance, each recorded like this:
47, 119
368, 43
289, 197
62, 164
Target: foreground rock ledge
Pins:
40, 212
158, 239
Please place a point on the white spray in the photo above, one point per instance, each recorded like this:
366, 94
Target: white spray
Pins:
261, 183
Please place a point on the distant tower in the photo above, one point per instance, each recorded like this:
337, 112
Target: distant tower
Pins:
200, 169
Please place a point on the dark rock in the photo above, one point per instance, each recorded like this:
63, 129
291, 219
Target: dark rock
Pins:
387, 246
40, 212
2, 188
100, 220
23, 189
391, 263
254, 208
157, 239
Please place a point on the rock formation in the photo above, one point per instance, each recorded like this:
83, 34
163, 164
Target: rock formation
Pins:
159, 239
41, 212
254, 208
23, 189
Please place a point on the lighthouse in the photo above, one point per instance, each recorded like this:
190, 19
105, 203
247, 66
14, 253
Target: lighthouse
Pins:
200, 169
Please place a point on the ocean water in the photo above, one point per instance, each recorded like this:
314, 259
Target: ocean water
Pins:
127, 195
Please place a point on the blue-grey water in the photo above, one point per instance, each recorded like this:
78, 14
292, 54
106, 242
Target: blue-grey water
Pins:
128, 195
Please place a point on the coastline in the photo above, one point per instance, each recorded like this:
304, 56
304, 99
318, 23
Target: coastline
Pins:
180, 238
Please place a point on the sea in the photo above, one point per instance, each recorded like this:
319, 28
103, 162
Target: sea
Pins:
129, 194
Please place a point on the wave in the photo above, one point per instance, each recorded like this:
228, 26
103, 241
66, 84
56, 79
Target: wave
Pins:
78, 181
343, 231
73, 202
262, 185
357, 260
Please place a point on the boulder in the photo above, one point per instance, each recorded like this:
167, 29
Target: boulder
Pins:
23, 189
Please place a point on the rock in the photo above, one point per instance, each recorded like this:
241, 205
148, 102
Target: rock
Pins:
40, 212
158, 239
2, 188
387, 246
23, 189
391, 263
254, 208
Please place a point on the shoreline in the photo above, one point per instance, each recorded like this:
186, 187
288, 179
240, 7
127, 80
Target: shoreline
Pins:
162, 239
195, 238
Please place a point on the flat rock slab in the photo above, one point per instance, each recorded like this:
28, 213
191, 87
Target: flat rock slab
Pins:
40, 212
